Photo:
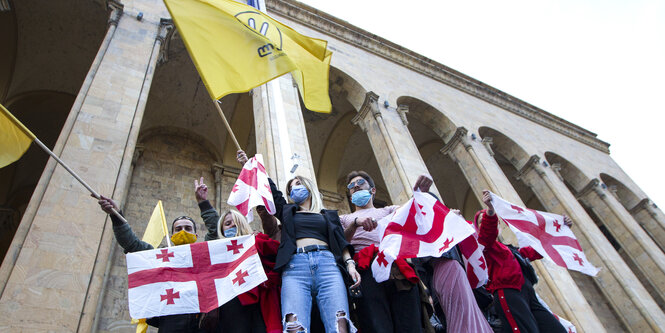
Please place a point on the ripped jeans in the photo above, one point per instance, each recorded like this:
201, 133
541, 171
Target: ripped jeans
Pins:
314, 274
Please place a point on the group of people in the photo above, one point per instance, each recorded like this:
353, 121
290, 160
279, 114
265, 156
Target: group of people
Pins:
319, 276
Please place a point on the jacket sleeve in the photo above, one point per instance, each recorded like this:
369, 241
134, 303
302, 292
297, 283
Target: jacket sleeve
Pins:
126, 236
489, 230
529, 253
278, 198
210, 217
270, 226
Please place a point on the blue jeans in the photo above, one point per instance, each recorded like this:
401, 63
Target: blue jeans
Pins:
314, 274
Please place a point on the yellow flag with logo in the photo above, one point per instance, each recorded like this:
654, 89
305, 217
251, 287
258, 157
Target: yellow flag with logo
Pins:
15, 138
236, 48
157, 228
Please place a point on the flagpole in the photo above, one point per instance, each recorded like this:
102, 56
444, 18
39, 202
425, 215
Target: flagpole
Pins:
226, 123
94, 193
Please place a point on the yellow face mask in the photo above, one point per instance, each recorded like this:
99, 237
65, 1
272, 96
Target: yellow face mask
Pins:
183, 237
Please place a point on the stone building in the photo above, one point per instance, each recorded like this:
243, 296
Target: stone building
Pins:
110, 87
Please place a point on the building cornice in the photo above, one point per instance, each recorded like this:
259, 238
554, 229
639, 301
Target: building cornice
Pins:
365, 40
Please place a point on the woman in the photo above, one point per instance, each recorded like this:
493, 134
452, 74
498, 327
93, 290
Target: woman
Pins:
253, 311
312, 246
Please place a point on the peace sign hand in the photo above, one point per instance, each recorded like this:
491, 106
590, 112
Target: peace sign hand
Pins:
200, 190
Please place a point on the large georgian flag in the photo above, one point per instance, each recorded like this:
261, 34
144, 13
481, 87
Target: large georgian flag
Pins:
252, 189
191, 278
474, 260
545, 233
420, 228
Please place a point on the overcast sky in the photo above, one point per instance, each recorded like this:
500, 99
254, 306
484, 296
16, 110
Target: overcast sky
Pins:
598, 64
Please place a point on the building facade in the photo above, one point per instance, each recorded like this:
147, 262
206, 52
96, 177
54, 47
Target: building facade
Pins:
109, 86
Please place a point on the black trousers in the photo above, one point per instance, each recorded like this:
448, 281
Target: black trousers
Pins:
384, 309
236, 318
528, 313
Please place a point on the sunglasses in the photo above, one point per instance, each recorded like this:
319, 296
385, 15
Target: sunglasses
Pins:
358, 182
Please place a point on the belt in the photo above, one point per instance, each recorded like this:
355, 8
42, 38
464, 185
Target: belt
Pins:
312, 248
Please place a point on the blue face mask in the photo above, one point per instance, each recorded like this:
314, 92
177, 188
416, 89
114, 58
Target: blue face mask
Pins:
361, 198
299, 193
230, 232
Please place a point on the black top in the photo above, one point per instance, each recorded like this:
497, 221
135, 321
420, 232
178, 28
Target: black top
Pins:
311, 225
287, 214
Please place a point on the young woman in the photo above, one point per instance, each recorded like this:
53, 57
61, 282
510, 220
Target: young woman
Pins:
312, 246
253, 311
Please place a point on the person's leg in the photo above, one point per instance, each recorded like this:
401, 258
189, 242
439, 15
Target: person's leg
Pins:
546, 321
404, 308
234, 317
514, 311
297, 294
331, 294
373, 309
456, 298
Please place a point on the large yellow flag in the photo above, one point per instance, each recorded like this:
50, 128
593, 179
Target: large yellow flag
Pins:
14, 138
157, 228
236, 48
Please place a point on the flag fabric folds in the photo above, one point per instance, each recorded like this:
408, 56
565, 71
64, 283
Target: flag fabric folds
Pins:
474, 260
252, 189
546, 233
235, 48
15, 138
191, 278
420, 228
157, 228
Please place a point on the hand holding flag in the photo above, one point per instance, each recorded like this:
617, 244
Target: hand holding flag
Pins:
252, 189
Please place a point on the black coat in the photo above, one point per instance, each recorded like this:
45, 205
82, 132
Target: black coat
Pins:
287, 247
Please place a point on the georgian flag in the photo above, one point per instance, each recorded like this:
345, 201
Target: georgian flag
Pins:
252, 189
545, 233
474, 260
191, 278
420, 228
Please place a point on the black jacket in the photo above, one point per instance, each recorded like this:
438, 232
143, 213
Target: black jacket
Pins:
287, 247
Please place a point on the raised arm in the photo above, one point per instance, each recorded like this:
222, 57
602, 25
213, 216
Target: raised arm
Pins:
489, 230
209, 214
124, 234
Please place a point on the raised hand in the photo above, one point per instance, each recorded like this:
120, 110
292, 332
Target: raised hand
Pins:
423, 183
567, 221
106, 204
200, 190
242, 157
487, 200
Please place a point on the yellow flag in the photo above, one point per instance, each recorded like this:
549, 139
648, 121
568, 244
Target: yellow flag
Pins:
141, 325
236, 48
157, 228
14, 138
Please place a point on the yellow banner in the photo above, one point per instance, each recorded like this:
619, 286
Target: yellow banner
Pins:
15, 138
157, 228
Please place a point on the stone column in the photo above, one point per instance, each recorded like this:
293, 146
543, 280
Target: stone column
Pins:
218, 171
652, 219
400, 164
557, 287
58, 259
630, 300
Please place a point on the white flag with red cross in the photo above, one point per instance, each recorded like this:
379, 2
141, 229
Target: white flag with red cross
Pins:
191, 278
252, 189
474, 260
546, 233
422, 227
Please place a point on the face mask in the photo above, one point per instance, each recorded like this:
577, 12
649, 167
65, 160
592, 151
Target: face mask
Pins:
361, 198
230, 232
299, 193
183, 237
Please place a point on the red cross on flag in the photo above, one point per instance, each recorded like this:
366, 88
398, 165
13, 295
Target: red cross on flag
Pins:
545, 233
252, 189
191, 278
474, 260
420, 228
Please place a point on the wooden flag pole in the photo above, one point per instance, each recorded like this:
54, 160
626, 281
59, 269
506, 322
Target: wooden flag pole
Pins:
226, 123
93, 192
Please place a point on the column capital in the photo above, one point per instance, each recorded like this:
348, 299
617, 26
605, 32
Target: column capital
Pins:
592, 186
116, 9
533, 164
164, 37
370, 105
488, 141
402, 110
644, 204
458, 138
138, 152
217, 172
331, 196
556, 167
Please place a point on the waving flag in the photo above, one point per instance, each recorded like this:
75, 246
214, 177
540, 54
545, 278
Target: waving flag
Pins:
15, 138
252, 189
192, 278
422, 227
546, 233
474, 260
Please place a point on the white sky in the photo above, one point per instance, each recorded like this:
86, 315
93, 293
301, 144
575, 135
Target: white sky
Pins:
598, 64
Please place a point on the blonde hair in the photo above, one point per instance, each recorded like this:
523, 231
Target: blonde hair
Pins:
316, 204
239, 220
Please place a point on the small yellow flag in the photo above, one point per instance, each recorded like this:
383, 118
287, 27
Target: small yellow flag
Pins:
157, 228
236, 48
141, 325
14, 138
